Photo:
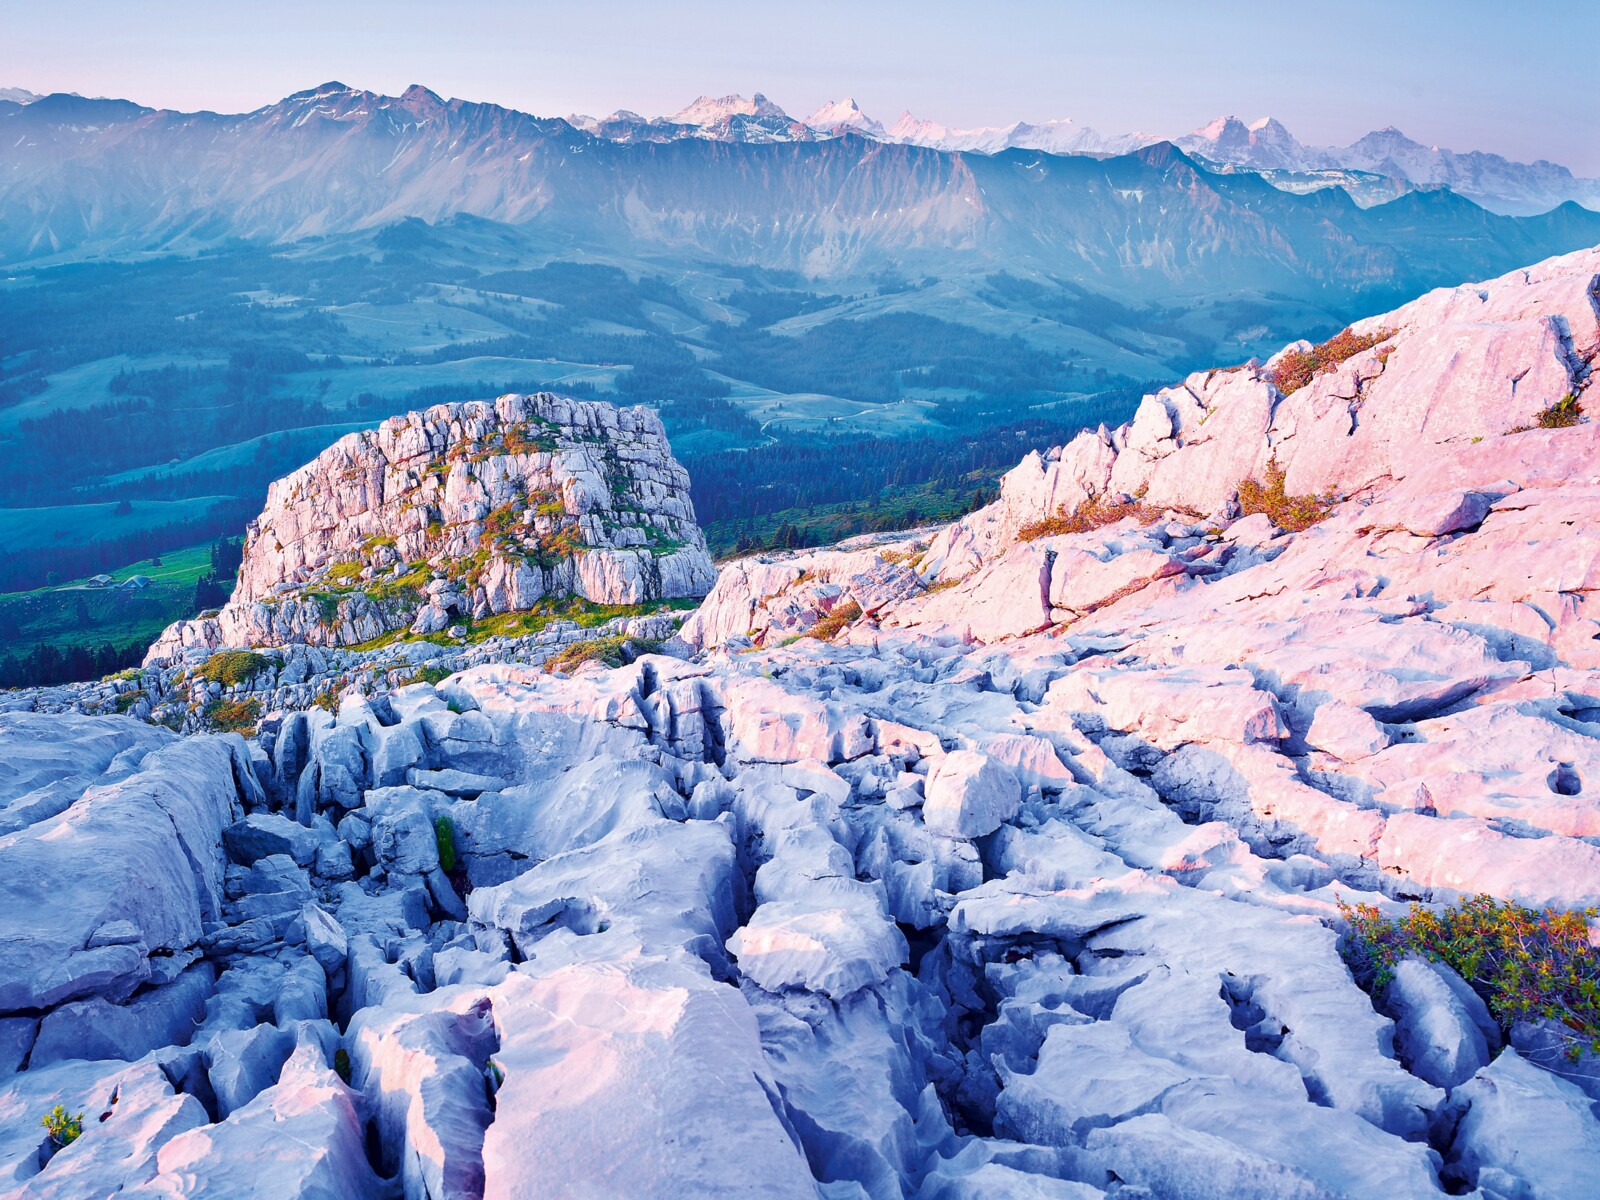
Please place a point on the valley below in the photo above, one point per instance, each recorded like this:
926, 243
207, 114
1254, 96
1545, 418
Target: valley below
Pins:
842, 332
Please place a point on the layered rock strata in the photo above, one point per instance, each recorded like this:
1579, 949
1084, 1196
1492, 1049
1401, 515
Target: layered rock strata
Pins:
463, 511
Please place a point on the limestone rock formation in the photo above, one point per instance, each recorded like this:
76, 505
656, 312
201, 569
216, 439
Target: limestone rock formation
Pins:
1450, 370
1004, 859
462, 511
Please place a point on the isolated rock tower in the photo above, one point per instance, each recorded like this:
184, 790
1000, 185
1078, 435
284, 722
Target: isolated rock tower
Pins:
463, 511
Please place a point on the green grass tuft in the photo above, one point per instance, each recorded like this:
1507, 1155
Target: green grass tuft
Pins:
1289, 513
63, 1127
1299, 367
234, 716
444, 833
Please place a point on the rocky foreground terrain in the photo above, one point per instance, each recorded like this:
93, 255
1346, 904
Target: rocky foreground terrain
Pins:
1000, 860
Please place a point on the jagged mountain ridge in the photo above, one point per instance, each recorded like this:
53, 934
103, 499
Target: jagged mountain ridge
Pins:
1265, 145
1498, 183
1490, 179
116, 177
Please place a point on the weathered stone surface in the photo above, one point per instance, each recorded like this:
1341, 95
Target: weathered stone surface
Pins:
1443, 1031
969, 794
145, 849
675, 1097
1024, 881
1521, 1129
261, 835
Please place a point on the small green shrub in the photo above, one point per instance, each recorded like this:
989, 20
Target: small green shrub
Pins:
344, 573
1290, 513
128, 699
328, 701
341, 1064
428, 675
63, 1127
402, 587
518, 438
1563, 414
905, 555
229, 667
612, 651
234, 716
327, 604
500, 524
444, 833
1299, 367
1528, 964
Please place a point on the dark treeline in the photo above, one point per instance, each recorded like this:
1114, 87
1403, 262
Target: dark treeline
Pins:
69, 444
876, 358
45, 665
848, 520
1071, 304
196, 305
741, 485
38, 566
213, 588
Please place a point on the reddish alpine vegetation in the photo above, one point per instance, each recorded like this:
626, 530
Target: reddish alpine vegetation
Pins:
1290, 513
1528, 964
1299, 367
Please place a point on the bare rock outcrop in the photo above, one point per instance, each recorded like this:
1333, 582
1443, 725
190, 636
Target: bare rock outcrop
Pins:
462, 511
990, 860
1451, 369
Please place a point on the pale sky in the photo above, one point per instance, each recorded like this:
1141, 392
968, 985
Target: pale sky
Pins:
1513, 78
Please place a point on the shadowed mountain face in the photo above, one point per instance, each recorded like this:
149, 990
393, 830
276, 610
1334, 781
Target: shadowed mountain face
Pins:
100, 176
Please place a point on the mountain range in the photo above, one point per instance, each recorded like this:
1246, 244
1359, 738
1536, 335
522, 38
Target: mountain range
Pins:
1491, 180
94, 176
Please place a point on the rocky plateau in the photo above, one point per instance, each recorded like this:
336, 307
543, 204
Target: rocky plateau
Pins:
996, 860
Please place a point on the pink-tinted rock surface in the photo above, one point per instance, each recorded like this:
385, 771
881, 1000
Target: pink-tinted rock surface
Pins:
949, 864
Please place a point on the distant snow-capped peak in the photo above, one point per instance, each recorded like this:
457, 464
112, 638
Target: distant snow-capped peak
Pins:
710, 110
1264, 144
1060, 136
837, 115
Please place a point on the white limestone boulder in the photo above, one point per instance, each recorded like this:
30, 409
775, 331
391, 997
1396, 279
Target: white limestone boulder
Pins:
1523, 1131
969, 794
147, 850
642, 1078
1443, 1031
